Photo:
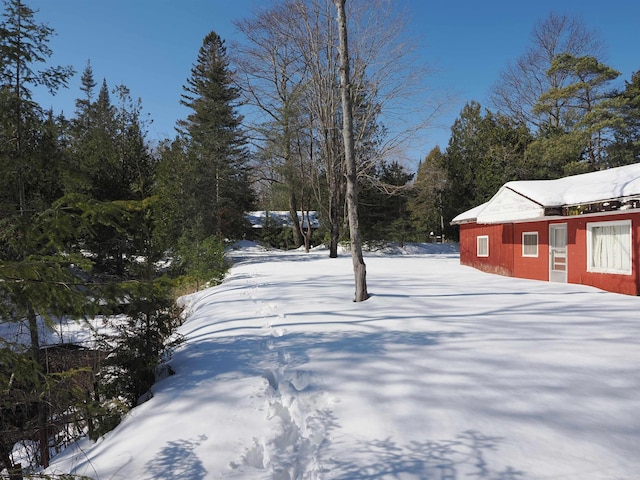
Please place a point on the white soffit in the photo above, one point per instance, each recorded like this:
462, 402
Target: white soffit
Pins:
509, 206
468, 216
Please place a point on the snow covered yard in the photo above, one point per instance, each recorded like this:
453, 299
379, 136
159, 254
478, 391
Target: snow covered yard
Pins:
444, 373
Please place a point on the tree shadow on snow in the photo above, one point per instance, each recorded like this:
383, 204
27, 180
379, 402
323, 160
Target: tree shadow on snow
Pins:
246, 355
177, 460
463, 457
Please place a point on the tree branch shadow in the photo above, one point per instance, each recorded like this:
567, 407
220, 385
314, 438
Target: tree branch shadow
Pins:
463, 457
177, 460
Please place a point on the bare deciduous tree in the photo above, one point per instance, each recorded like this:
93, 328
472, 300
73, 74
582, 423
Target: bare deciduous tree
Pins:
290, 71
359, 267
272, 78
522, 83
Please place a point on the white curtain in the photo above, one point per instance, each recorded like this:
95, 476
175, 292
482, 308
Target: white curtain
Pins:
610, 248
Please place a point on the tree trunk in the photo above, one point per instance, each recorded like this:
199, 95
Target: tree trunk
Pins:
295, 222
334, 221
43, 434
307, 232
359, 267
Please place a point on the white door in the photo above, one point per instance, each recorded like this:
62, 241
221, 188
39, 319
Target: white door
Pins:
558, 252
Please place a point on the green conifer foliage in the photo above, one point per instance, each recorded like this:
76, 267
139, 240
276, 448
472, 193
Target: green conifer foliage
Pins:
216, 158
383, 203
425, 206
625, 148
485, 151
23, 45
589, 110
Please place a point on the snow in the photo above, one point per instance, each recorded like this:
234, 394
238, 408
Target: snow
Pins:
527, 199
446, 372
590, 187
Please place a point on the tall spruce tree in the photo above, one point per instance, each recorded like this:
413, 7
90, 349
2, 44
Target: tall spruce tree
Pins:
219, 191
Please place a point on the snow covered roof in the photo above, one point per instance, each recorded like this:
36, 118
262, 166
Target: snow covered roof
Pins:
469, 215
280, 218
529, 199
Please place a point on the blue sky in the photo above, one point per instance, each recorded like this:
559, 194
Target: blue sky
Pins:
150, 45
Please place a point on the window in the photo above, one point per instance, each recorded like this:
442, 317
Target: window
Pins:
529, 244
483, 246
609, 247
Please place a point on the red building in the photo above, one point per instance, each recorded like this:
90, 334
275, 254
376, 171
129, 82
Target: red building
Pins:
581, 229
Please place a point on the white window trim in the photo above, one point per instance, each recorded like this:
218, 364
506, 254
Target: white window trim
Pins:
594, 269
536, 245
478, 239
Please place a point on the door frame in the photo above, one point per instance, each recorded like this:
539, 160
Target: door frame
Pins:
558, 258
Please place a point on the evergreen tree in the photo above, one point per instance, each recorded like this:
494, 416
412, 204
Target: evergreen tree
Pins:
425, 206
41, 280
466, 150
589, 112
625, 148
137, 344
87, 86
32, 268
505, 160
23, 45
62, 242
110, 162
554, 154
216, 155
178, 223
383, 204
484, 152
175, 207
97, 169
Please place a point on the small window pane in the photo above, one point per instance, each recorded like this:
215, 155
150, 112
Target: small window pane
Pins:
530, 244
483, 246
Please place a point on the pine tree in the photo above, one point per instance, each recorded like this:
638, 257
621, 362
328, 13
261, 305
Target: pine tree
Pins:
217, 169
588, 108
625, 148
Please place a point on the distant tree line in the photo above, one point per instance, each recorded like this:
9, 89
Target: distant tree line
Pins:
556, 111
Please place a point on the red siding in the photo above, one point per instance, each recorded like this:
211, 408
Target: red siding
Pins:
500, 259
505, 251
536, 268
577, 256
